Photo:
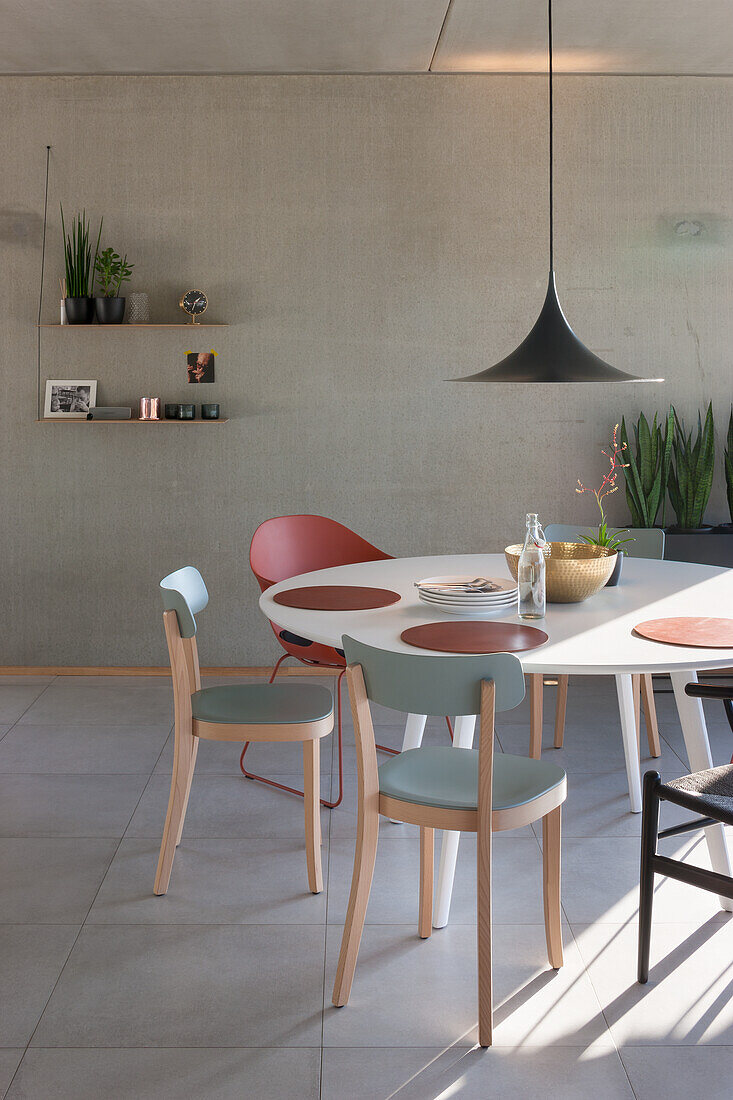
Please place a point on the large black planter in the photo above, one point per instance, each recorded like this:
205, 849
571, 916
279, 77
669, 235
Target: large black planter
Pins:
110, 311
708, 546
79, 311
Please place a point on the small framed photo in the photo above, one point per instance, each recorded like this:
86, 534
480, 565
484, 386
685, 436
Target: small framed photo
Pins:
69, 398
200, 366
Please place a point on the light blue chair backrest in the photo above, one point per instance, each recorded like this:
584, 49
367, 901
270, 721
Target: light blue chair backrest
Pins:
648, 541
422, 684
185, 593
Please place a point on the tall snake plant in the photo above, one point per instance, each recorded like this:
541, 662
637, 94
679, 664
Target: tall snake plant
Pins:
691, 473
647, 468
728, 464
78, 256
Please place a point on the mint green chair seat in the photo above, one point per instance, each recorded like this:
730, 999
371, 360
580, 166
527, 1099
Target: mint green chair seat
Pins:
648, 541
262, 704
441, 776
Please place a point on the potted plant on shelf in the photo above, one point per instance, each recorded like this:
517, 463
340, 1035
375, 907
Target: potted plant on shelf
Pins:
646, 469
112, 272
606, 536
79, 304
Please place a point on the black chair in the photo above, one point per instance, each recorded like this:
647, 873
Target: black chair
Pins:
709, 793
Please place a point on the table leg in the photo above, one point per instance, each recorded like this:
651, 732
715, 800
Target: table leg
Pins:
462, 739
694, 731
414, 729
627, 711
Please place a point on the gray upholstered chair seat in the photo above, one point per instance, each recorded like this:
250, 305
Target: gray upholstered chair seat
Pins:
442, 776
262, 704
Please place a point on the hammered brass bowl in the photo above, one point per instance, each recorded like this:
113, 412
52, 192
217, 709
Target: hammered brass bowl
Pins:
574, 571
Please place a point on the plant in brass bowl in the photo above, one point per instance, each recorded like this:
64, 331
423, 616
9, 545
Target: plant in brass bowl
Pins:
574, 571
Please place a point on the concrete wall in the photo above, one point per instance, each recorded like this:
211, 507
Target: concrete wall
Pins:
366, 238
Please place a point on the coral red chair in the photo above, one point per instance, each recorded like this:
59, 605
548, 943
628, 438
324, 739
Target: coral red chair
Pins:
285, 547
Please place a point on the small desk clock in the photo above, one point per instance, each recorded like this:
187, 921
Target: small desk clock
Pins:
194, 302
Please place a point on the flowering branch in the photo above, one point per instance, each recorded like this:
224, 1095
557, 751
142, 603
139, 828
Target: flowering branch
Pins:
608, 485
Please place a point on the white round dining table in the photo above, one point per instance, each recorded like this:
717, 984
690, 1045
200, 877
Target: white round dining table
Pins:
593, 638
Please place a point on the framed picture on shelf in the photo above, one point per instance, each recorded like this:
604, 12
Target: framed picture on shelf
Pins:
69, 398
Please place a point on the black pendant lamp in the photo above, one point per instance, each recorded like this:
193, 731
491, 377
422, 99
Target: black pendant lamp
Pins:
552, 352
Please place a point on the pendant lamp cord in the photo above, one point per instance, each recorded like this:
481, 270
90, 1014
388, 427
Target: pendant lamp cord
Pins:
549, 50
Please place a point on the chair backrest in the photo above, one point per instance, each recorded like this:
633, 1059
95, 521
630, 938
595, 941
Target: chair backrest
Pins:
184, 595
422, 684
285, 546
648, 541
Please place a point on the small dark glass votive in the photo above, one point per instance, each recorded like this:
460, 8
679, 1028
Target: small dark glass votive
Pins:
187, 412
210, 411
171, 412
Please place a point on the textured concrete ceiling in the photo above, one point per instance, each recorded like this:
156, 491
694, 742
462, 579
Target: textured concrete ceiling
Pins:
337, 36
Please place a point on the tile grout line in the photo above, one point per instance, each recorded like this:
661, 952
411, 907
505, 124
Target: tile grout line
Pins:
83, 923
31, 704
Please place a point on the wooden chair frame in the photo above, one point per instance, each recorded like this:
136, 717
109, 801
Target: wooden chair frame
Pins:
186, 674
483, 821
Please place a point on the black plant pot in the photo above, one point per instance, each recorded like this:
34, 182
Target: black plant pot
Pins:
616, 575
705, 545
110, 311
79, 311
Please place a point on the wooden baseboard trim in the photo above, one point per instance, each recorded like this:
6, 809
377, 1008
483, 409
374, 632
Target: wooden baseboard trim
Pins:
152, 670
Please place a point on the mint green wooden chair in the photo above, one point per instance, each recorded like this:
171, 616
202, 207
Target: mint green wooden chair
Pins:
440, 787
648, 543
234, 712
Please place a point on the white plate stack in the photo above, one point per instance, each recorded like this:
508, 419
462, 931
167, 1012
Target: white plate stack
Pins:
458, 596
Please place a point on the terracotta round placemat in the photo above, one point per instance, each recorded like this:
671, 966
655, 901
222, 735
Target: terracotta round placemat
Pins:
336, 597
691, 631
474, 637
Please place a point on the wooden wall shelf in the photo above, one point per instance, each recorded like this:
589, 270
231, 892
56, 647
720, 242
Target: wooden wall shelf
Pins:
53, 420
169, 324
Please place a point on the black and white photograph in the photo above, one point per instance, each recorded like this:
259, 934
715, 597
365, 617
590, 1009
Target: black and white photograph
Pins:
69, 399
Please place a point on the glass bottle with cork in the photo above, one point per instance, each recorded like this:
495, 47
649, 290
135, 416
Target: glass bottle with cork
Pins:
531, 571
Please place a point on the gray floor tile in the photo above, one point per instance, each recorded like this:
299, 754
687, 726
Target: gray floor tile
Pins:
680, 1073
265, 758
436, 984
218, 1074
9, 1061
104, 700
226, 806
600, 881
9, 680
59, 749
50, 880
188, 986
31, 959
16, 698
408, 1073
517, 881
68, 805
213, 882
688, 1000
719, 732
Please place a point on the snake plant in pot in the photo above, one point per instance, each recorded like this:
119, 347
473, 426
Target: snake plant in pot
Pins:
691, 473
727, 528
113, 272
646, 469
79, 269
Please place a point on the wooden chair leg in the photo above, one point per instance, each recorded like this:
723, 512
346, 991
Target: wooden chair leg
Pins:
312, 802
184, 759
485, 977
650, 714
192, 765
560, 708
425, 920
361, 884
551, 829
536, 687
